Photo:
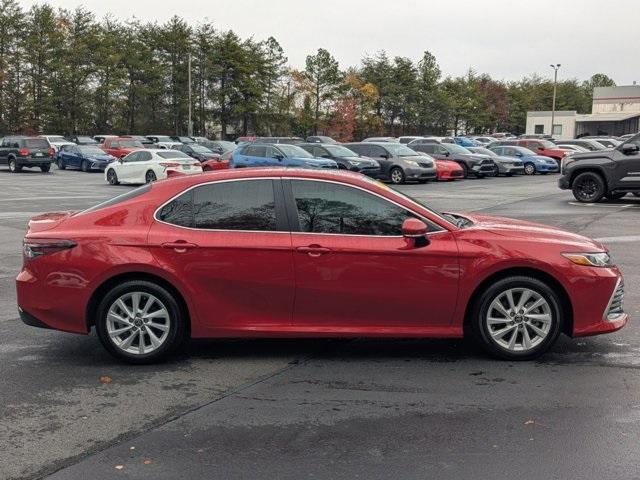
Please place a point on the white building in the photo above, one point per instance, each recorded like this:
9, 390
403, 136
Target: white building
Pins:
614, 111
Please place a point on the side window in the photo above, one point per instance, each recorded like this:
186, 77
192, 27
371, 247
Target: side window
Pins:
179, 211
440, 150
325, 207
360, 149
241, 205
318, 152
132, 157
260, 151
428, 147
376, 151
271, 152
144, 156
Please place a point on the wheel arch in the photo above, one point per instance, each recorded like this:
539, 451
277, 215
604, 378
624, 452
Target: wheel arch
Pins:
591, 168
558, 288
108, 284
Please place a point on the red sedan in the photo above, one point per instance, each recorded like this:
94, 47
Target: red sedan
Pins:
448, 170
292, 253
219, 163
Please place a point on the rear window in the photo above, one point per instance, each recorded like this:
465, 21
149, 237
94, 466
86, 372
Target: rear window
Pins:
119, 199
169, 155
35, 143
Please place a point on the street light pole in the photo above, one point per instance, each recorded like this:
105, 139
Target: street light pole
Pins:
190, 126
553, 106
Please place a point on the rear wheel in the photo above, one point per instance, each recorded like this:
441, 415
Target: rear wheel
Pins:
517, 318
45, 168
140, 322
13, 166
397, 176
112, 177
588, 187
150, 176
529, 168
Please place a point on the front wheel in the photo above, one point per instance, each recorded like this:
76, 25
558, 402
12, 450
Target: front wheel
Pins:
112, 177
140, 322
529, 169
517, 318
589, 187
397, 176
84, 166
150, 177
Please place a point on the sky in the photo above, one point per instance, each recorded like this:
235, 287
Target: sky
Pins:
508, 39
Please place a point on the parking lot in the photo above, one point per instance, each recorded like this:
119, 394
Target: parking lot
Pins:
332, 409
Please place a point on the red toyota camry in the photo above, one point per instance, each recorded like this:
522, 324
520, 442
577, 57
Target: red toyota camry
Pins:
292, 253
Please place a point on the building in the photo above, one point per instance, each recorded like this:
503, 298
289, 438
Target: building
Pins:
615, 111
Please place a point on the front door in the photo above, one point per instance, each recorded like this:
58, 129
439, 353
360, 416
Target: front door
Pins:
627, 168
229, 244
354, 270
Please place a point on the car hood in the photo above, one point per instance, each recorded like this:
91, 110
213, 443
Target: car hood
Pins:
363, 160
321, 162
476, 157
448, 164
504, 158
590, 155
521, 229
103, 157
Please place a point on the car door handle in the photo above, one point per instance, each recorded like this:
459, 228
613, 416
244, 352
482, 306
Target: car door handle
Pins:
179, 246
313, 250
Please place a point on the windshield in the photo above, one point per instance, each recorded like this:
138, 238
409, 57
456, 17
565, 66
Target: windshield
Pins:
293, 151
339, 151
130, 144
399, 150
483, 151
36, 143
456, 149
173, 154
86, 140
91, 150
547, 144
226, 146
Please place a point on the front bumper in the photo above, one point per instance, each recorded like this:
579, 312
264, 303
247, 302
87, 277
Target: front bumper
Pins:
450, 174
510, 169
547, 167
420, 174
373, 172
564, 182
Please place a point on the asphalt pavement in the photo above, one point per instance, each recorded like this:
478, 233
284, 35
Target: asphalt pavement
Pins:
292, 409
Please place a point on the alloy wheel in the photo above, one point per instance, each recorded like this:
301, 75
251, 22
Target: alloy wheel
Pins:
586, 188
529, 169
519, 319
397, 177
138, 323
150, 177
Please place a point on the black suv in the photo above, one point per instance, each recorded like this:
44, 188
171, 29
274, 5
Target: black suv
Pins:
345, 158
18, 152
398, 163
604, 174
472, 163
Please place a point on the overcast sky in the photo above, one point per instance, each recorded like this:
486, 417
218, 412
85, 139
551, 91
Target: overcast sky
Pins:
506, 38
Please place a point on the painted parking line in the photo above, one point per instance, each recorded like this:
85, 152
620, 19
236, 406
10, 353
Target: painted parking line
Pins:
606, 205
59, 197
620, 239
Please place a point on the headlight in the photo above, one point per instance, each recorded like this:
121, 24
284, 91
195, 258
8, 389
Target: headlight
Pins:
600, 259
411, 162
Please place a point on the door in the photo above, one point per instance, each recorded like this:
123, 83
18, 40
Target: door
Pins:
69, 156
128, 168
234, 256
354, 270
627, 169
382, 157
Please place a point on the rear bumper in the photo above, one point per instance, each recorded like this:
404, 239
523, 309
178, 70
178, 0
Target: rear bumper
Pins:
30, 320
33, 161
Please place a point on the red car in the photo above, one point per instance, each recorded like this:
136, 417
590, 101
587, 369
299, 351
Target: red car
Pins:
307, 253
221, 162
448, 170
120, 147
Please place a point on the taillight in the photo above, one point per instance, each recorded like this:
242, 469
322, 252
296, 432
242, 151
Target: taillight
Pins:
24, 152
169, 164
52, 152
33, 248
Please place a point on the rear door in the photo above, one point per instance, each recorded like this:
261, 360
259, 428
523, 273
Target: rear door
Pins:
229, 244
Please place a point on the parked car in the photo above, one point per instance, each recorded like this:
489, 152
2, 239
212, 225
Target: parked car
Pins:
627, 136
448, 170
200, 139
572, 148
82, 140
484, 140
465, 142
424, 140
472, 164
182, 139
219, 146
540, 146
506, 165
146, 166
533, 163
606, 142
320, 139
345, 158
245, 139
381, 139
398, 163
156, 262
282, 155
56, 141
84, 157
164, 141
608, 174
146, 142
220, 163
407, 139
197, 151
102, 138
120, 147
18, 152
590, 145
285, 140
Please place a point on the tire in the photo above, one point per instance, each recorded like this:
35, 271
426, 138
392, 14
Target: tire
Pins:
615, 196
150, 177
396, 175
61, 165
589, 187
13, 166
519, 337
112, 177
84, 166
465, 170
45, 168
529, 168
168, 326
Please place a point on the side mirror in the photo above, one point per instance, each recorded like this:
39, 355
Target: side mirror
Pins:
540, 148
629, 148
278, 157
385, 156
415, 232
518, 154
446, 154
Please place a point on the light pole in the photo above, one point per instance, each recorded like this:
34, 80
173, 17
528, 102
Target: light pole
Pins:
190, 125
553, 105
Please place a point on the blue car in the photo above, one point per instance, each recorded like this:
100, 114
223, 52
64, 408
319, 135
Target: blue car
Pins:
533, 163
466, 142
84, 157
280, 155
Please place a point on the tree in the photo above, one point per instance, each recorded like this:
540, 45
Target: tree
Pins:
11, 50
323, 73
